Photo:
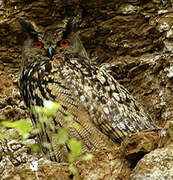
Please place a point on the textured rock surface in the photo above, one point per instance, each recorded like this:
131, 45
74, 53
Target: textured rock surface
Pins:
134, 37
115, 163
158, 164
14, 153
105, 165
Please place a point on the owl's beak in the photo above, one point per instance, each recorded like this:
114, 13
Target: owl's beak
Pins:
50, 52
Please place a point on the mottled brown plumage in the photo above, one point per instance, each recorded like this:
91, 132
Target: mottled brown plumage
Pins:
104, 109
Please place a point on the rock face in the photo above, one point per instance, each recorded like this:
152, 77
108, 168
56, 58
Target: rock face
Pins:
105, 165
14, 153
134, 37
158, 164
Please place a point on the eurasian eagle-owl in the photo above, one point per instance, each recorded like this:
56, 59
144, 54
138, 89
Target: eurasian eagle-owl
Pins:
56, 67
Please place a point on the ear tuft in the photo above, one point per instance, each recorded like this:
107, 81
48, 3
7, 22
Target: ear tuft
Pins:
29, 28
69, 27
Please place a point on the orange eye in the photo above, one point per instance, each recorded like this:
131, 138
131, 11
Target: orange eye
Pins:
64, 43
38, 44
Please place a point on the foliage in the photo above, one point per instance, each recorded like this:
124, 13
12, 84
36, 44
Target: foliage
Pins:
76, 150
45, 115
22, 126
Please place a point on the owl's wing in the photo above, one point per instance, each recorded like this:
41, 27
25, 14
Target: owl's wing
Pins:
124, 114
112, 109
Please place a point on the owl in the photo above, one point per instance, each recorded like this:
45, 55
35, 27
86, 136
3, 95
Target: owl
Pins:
56, 67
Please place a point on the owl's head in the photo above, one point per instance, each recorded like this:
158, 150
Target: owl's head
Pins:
48, 43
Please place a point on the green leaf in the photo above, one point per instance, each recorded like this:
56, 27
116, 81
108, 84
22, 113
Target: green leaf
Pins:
50, 108
87, 157
62, 135
57, 106
22, 126
36, 131
76, 125
48, 112
76, 149
35, 147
